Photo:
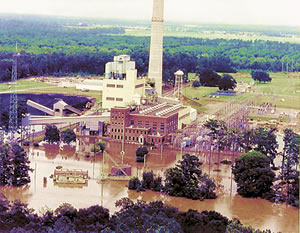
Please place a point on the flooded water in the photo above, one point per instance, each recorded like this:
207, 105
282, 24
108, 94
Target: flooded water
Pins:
258, 213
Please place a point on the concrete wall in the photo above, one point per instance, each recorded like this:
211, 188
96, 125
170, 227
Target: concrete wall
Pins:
119, 92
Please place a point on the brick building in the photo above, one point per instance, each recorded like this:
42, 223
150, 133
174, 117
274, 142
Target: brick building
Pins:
152, 124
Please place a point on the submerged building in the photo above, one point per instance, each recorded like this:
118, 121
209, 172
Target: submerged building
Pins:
121, 86
152, 125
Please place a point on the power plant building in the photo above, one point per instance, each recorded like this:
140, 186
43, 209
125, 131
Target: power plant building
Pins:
152, 125
121, 86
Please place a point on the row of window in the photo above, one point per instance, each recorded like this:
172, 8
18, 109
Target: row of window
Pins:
113, 99
128, 131
118, 137
113, 85
147, 125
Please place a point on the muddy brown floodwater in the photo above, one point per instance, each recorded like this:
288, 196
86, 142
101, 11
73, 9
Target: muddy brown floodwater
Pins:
258, 213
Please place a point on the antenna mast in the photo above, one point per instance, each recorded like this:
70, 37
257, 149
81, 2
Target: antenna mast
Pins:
13, 104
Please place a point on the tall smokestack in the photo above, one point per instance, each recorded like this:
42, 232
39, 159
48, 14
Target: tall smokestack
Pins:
156, 45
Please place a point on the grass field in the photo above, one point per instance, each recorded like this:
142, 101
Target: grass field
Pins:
24, 84
283, 87
214, 35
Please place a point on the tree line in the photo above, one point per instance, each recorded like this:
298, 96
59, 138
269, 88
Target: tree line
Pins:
132, 217
52, 49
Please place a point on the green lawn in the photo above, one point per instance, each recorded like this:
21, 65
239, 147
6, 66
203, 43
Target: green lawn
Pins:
283, 86
24, 84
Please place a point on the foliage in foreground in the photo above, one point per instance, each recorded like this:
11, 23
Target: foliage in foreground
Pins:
133, 217
184, 180
14, 166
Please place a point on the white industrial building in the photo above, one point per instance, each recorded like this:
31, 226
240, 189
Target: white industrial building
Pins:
121, 86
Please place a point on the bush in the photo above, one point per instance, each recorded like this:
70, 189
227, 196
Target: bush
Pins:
134, 183
68, 136
140, 154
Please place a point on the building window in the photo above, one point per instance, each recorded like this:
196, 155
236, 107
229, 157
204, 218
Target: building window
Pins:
162, 127
154, 127
119, 99
131, 122
110, 98
147, 125
120, 86
129, 138
110, 85
140, 124
139, 85
133, 138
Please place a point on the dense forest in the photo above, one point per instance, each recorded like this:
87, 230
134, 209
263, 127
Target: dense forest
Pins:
60, 47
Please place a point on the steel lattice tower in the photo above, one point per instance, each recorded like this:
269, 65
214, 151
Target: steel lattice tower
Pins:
13, 104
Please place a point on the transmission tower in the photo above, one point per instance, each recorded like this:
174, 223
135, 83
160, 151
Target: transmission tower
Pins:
13, 104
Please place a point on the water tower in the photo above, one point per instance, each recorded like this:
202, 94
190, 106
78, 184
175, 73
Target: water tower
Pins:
156, 45
178, 83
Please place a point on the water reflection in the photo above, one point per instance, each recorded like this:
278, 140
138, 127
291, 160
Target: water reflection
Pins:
256, 212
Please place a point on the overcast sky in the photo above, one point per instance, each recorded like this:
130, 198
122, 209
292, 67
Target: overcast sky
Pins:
266, 12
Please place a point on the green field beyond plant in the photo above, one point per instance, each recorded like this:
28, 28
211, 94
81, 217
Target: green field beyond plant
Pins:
283, 91
283, 86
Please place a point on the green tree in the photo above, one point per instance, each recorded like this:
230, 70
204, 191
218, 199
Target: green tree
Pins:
209, 78
186, 180
14, 166
140, 153
52, 134
289, 168
264, 140
261, 76
21, 112
101, 145
68, 136
253, 175
6, 166
227, 82
21, 166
